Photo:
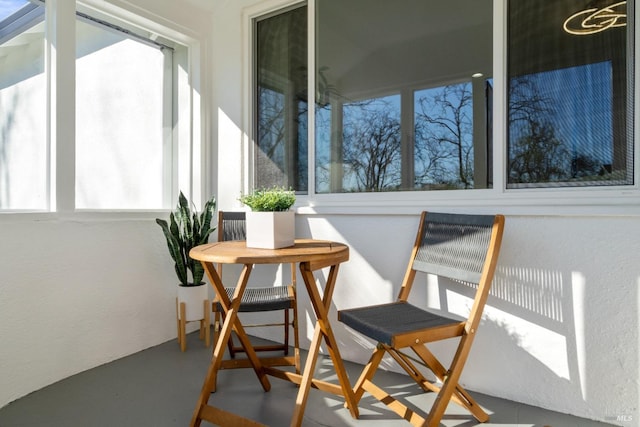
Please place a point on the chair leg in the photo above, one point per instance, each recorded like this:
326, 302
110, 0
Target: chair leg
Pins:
367, 373
207, 323
286, 332
460, 395
450, 386
231, 346
296, 340
405, 363
216, 327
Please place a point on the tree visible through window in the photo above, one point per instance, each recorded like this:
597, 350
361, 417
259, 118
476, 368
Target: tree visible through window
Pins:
570, 115
444, 138
394, 112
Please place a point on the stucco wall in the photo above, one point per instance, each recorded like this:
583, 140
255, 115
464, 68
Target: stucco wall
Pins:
75, 294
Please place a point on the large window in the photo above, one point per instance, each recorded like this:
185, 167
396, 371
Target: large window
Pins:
570, 87
404, 91
23, 141
132, 146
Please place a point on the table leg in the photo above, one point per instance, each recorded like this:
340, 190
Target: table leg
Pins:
322, 329
231, 322
307, 377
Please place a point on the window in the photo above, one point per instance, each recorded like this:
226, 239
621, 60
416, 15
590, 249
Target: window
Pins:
23, 140
385, 95
120, 118
132, 146
570, 86
395, 110
281, 100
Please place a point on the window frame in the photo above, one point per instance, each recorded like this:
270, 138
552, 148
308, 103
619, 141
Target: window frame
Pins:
183, 127
517, 201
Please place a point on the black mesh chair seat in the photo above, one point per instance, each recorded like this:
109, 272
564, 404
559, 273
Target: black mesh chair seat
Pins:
262, 299
382, 322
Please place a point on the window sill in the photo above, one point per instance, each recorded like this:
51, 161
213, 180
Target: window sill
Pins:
561, 202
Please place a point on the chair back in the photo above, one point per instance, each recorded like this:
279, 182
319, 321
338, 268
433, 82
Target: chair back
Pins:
461, 247
454, 245
231, 226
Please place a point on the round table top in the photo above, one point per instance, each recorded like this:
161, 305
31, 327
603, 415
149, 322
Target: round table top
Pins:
304, 250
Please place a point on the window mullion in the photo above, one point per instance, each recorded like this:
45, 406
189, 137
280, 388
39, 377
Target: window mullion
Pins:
408, 139
60, 46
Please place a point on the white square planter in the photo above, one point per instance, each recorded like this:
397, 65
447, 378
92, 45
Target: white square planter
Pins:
271, 230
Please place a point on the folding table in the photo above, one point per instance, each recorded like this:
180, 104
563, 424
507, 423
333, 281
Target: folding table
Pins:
311, 255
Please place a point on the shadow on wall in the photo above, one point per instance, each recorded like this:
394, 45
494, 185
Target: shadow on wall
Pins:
542, 333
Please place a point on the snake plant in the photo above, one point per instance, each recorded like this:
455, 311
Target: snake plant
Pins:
185, 230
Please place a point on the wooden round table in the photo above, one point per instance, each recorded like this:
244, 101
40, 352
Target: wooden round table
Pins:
311, 255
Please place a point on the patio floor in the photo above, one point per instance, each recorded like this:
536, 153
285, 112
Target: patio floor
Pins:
158, 387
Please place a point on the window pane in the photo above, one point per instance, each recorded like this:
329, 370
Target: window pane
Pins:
371, 144
119, 121
364, 154
281, 100
570, 88
23, 144
444, 155
395, 110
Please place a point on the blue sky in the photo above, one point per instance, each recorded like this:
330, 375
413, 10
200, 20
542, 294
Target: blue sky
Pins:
7, 7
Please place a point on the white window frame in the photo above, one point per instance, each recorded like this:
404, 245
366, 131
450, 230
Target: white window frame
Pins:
184, 133
531, 201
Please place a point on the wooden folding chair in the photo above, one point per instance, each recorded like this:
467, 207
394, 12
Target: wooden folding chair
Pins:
463, 248
232, 226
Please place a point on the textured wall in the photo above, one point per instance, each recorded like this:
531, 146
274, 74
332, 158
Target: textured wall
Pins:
77, 294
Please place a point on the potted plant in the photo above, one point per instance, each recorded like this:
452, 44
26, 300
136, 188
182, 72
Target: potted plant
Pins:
271, 223
185, 230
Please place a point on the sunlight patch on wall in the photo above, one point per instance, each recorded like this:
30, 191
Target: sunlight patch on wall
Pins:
546, 346
578, 285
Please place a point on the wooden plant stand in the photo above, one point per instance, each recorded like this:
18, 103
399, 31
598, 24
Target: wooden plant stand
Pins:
205, 324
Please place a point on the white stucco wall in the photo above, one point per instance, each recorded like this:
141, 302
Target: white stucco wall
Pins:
75, 294
560, 331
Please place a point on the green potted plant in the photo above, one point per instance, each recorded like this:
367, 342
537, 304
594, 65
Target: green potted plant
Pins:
271, 223
186, 229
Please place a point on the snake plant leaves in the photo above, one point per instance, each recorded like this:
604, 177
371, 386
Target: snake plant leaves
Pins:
175, 250
186, 230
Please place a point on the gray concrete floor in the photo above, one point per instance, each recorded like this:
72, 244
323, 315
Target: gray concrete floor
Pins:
159, 387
